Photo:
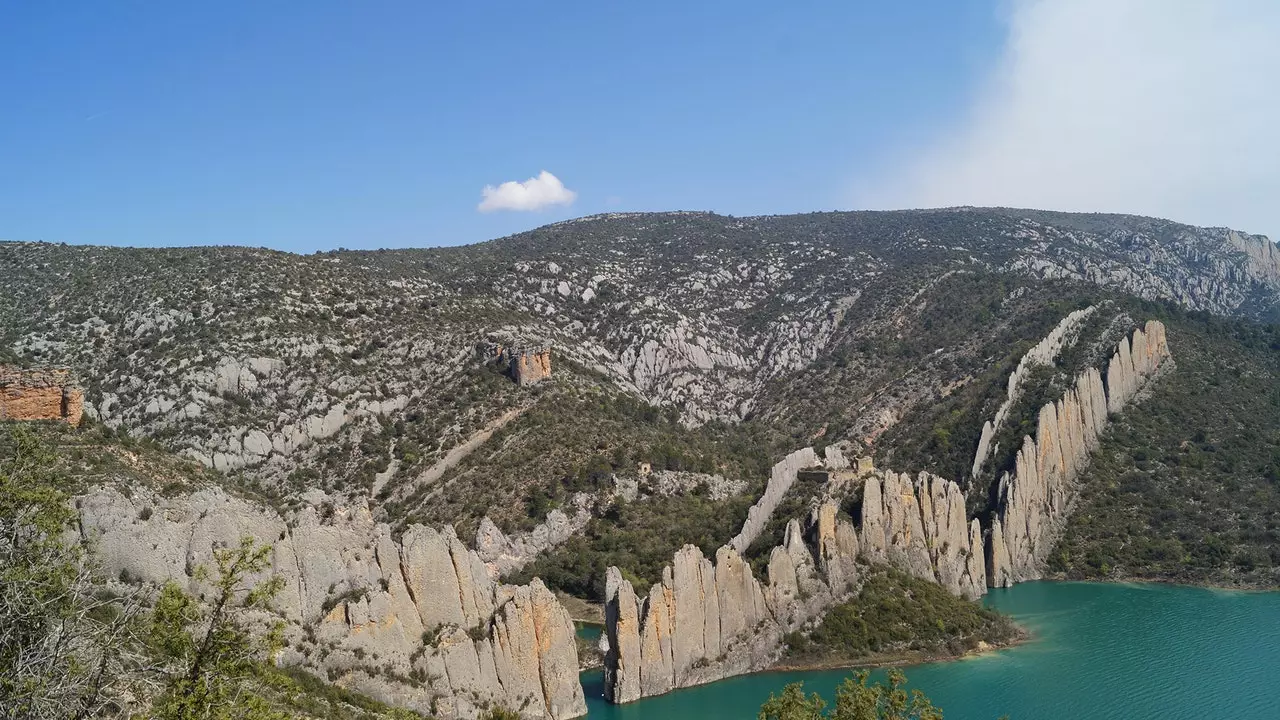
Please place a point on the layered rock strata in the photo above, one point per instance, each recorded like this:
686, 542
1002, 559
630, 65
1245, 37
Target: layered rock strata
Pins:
707, 620
1042, 353
921, 528
1034, 500
39, 395
416, 621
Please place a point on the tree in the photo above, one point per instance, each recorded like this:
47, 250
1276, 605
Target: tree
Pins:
210, 651
64, 643
855, 700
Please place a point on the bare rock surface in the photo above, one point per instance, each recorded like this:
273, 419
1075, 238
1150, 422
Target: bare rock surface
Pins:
360, 605
1034, 500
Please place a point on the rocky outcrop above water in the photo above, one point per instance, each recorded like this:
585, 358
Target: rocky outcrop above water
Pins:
1035, 499
921, 528
710, 620
416, 621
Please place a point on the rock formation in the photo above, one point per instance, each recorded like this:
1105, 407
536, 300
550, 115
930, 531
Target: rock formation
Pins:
1033, 502
781, 478
503, 554
921, 528
706, 620
710, 620
39, 395
1042, 353
416, 621
530, 366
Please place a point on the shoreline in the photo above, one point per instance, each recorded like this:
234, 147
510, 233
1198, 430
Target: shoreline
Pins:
1140, 580
888, 660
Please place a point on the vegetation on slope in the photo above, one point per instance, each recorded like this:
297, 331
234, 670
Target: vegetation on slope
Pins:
574, 438
639, 538
75, 645
896, 616
1186, 487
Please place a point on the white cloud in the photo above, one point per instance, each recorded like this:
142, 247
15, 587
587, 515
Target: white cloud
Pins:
1159, 107
535, 193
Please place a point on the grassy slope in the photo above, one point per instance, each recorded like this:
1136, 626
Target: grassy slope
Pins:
1186, 486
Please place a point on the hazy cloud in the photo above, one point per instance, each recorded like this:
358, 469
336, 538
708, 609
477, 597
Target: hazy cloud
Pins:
535, 193
1157, 107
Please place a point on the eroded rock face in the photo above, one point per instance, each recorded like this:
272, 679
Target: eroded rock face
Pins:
710, 620
1042, 353
921, 528
530, 366
39, 395
1036, 498
782, 476
421, 608
706, 621
504, 554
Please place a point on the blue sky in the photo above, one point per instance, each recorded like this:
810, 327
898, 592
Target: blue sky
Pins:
306, 126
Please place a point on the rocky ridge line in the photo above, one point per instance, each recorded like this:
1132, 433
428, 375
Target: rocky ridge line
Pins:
1035, 500
705, 620
781, 478
416, 621
1042, 353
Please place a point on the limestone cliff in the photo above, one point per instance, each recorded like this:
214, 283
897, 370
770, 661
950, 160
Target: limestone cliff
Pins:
781, 477
416, 621
1042, 353
709, 620
530, 366
1034, 500
921, 528
504, 554
39, 395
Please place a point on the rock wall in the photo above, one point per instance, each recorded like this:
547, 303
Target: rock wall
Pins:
530, 366
1042, 353
416, 621
921, 528
39, 395
1034, 501
707, 620
504, 554
781, 477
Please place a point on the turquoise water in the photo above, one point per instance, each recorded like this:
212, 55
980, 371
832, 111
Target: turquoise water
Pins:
1099, 651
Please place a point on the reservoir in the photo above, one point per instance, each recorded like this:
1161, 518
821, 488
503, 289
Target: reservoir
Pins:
1098, 651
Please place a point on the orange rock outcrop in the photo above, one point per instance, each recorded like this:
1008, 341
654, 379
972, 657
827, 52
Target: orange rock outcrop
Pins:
531, 366
39, 395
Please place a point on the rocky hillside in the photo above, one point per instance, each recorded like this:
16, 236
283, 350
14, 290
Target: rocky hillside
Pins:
609, 403
263, 363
